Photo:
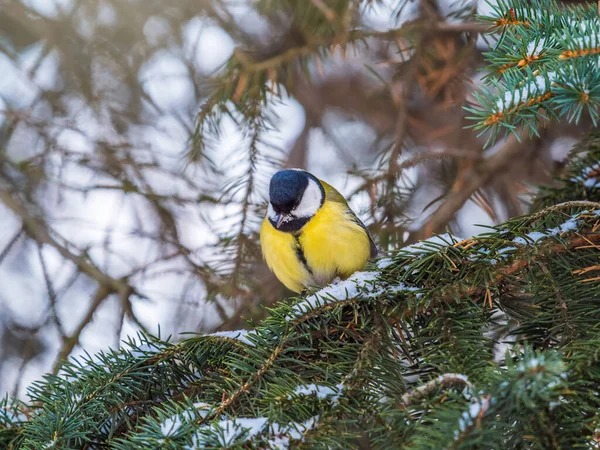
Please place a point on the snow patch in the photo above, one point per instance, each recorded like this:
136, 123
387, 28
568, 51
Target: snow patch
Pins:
433, 242
234, 429
321, 392
240, 335
535, 47
361, 283
294, 431
587, 177
238, 431
405, 289
570, 225
172, 424
384, 263
540, 85
476, 410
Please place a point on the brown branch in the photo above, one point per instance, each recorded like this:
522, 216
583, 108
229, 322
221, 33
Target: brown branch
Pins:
227, 402
444, 380
471, 181
37, 229
52, 297
562, 206
419, 158
329, 13
41, 232
580, 241
70, 342
4, 253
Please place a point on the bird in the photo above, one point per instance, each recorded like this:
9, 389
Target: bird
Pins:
310, 236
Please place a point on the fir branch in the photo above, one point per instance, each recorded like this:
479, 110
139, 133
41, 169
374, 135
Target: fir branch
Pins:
445, 380
426, 290
549, 60
578, 182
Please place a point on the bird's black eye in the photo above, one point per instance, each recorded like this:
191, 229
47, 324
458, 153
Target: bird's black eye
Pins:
283, 208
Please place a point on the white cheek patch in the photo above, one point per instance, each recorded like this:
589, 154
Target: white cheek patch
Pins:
311, 200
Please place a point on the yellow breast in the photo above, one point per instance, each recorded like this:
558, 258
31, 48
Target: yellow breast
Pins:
280, 251
331, 243
334, 244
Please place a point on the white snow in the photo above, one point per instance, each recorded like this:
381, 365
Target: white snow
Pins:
592, 182
587, 179
295, 431
384, 262
535, 367
322, 392
458, 376
585, 25
540, 85
589, 39
433, 242
234, 428
475, 410
585, 42
440, 380
403, 288
142, 349
533, 363
240, 430
535, 47
361, 283
51, 444
504, 250
240, 335
172, 424
534, 236
229, 432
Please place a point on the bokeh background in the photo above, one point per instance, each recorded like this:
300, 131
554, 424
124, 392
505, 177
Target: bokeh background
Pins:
117, 214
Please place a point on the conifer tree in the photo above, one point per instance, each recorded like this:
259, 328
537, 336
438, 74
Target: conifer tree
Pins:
488, 342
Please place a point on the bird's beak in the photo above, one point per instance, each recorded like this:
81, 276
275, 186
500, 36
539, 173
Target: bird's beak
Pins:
280, 218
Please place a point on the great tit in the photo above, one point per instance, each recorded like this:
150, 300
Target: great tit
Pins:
310, 235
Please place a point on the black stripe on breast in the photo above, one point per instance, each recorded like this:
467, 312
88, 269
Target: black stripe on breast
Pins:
300, 254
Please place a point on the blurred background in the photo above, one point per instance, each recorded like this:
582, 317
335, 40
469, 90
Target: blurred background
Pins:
119, 212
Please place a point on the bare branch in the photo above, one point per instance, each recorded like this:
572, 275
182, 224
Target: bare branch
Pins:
40, 232
445, 380
474, 179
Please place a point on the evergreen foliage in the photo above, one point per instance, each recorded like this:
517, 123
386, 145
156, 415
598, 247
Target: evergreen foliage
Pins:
488, 342
580, 180
546, 60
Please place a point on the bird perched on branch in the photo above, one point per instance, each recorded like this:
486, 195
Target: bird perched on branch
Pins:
310, 235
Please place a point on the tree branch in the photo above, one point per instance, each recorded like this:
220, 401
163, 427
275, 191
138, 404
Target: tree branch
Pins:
40, 231
444, 380
472, 181
37, 229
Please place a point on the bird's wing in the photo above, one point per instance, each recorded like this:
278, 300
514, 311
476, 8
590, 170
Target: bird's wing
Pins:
333, 195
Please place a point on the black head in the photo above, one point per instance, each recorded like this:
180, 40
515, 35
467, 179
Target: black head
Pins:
286, 189
295, 196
